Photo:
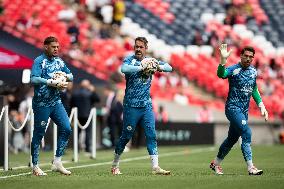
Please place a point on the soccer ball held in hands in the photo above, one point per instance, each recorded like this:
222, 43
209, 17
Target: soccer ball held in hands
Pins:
150, 66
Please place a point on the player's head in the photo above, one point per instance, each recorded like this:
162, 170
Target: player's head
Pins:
247, 55
140, 47
51, 46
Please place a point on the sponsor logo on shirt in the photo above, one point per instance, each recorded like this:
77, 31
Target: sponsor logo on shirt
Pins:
43, 123
246, 90
133, 61
237, 71
129, 128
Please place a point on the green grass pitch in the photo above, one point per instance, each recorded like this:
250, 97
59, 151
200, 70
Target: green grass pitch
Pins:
189, 166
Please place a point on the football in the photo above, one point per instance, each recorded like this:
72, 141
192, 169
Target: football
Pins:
149, 65
59, 76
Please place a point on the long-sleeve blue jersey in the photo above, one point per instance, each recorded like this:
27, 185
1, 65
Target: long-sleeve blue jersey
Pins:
242, 82
137, 92
42, 70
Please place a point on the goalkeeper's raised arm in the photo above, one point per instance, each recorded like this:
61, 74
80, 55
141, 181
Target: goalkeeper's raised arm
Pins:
224, 54
242, 85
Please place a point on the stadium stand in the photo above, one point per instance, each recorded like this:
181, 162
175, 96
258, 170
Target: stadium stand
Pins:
188, 39
208, 18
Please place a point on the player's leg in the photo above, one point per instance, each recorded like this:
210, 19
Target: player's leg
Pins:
246, 150
60, 118
148, 123
41, 115
224, 149
226, 146
131, 117
240, 123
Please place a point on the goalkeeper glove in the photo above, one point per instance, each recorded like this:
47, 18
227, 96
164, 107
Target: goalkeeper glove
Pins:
62, 85
59, 75
52, 82
224, 53
263, 111
57, 83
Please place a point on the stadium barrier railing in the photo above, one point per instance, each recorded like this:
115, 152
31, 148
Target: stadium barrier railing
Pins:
73, 117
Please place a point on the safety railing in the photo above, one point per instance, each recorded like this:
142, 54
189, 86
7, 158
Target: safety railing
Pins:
73, 118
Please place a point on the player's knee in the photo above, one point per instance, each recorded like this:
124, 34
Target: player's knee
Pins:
246, 136
126, 136
127, 133
231, 143
39, 131
151, 137
68, 130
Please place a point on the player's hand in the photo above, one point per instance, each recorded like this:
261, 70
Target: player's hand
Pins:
60, 75
57, 83
149, 66
52, 82
62, 85
223, 51
263, 111
159, 69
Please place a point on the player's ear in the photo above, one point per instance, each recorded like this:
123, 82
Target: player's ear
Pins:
45, 47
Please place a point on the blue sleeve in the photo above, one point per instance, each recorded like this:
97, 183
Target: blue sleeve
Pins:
127, 67
36, 73
36, 68
165, 67
68, 72
38, 80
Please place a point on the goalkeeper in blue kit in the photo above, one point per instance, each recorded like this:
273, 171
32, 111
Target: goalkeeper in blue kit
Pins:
137, 103
242, 85
49, 75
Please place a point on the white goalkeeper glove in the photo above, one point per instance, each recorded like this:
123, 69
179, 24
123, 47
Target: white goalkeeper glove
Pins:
263, 111
149, 66
62, 85
59, 84
60, 76
224, 53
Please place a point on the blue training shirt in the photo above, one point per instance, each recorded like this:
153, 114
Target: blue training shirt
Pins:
137, 92
45, 67
241, 84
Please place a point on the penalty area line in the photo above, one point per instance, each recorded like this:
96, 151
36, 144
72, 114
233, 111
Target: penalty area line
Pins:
194, 151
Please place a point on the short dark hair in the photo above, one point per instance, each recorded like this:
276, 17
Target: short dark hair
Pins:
49, 40
142, 39
248, 48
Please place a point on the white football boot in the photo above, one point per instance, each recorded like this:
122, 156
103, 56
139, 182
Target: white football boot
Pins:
115, 171
58, 167
160, 171
216, 168
255, 171
38, 172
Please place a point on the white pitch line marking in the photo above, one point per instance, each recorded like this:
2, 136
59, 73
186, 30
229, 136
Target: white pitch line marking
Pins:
194, 151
